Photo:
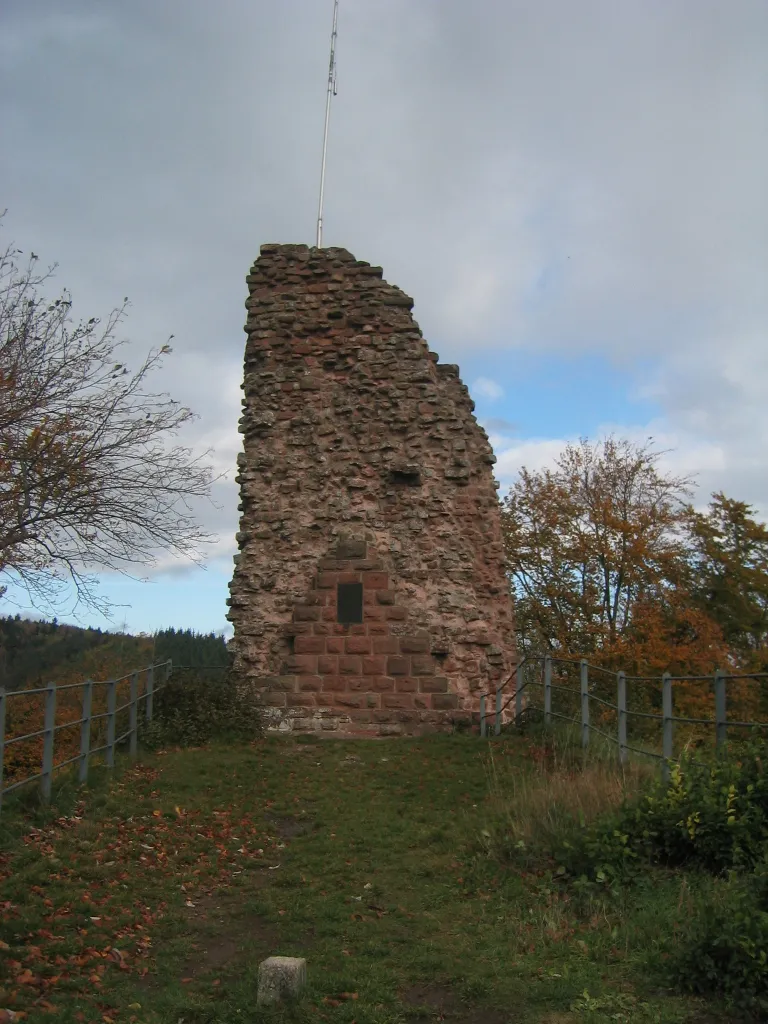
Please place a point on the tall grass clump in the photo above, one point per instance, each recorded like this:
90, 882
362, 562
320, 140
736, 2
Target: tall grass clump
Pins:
603, 831
709, 817
561, 792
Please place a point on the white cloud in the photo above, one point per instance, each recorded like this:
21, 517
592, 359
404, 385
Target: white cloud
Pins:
708, 464
487, 388
547, 178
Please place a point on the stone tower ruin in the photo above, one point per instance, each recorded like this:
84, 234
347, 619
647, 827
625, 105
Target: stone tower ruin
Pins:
369, 593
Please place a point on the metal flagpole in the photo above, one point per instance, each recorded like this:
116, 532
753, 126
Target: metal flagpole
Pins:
331, 92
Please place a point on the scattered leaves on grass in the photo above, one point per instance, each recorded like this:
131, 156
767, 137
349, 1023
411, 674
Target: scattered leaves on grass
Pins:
97, 908
339, 998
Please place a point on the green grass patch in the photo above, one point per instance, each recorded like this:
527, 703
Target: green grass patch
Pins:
393, 867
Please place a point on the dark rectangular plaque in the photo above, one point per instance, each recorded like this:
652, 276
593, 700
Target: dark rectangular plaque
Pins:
349, 603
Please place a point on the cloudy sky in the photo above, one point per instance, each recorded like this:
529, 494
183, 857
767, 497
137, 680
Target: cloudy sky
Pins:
574, 194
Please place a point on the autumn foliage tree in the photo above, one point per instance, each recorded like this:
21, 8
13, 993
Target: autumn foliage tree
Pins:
609, 561
88, 477
598, 555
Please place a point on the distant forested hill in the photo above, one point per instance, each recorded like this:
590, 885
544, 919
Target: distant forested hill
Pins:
34, 653
183, 647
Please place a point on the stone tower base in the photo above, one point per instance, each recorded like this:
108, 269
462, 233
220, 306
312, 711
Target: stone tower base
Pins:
379, 677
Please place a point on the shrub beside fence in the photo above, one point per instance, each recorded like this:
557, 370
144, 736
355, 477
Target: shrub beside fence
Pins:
579, 702
103, 723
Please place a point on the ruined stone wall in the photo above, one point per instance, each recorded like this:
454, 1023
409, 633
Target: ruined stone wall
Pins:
363, 463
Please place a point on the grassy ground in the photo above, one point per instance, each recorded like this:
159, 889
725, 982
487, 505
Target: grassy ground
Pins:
152, 897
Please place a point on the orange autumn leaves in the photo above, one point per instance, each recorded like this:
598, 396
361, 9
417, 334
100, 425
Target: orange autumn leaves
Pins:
99, 906
25, 715
608, 561
25, 712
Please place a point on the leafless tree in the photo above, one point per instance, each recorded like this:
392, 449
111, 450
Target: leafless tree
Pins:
89, 478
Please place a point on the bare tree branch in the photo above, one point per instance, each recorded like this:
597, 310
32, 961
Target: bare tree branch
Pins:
89, 478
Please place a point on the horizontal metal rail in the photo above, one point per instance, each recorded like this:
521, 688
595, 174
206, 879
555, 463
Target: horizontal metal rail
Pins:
690, 679
68, 725
694, 721
21, 782
63, 764
72, 686
65, 686
584, 690
51, 728
601, 732
593, 696
27, 736
598, 668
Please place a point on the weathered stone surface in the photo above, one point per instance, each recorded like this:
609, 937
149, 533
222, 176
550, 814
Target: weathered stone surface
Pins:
281, 978
363, 464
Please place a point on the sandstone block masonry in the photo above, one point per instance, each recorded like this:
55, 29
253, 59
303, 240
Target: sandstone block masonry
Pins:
369, 592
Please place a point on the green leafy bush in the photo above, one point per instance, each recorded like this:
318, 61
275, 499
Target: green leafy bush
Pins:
711, 820
197, 706
724, 946
708, 817
600, 857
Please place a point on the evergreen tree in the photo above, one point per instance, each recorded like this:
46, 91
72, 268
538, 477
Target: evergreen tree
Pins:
730, 570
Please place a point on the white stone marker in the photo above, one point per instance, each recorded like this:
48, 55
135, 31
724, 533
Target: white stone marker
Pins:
281, 978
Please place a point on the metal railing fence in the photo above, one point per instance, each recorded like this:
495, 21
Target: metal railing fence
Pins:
109, 717
539, 671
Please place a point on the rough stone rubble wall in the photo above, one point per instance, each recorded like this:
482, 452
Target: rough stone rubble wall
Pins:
362, 462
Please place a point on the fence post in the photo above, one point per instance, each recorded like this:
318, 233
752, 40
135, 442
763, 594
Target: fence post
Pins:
720, 713
482, 715
621, 703
584, 704
111, 715
497, 725
150, 693
168, 670
49, 731
85, 729
2, 740
133, 716
547, 691
667, 748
